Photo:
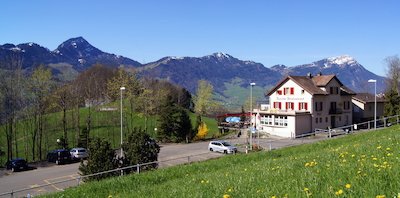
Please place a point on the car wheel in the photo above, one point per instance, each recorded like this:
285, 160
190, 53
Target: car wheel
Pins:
211, 149
57, 162
225, 152
12, 169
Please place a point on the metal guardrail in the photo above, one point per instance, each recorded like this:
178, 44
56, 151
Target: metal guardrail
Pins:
79, 179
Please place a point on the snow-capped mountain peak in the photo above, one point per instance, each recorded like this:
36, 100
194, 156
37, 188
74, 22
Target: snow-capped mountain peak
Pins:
341, 60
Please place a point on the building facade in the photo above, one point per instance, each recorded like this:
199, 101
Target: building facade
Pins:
301, 104
364, 107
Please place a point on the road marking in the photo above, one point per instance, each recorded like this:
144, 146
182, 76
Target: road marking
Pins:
55, 187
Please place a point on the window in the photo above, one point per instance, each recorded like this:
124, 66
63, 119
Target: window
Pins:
316, 120
286, 91
340, 118
277, 105
318, 106
292, 90
289, 105
266, 119
346, 105
320, 120
326, 119
334, 90
281, 121
303, 106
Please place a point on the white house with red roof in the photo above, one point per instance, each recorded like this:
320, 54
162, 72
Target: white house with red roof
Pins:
301, 104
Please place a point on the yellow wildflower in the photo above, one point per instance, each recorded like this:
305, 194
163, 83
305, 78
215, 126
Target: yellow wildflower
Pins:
380, 196
348, 186
339, 192
226, 196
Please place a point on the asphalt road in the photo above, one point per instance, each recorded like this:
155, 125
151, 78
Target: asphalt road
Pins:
170, 155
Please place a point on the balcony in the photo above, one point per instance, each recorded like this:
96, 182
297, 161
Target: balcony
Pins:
335, 111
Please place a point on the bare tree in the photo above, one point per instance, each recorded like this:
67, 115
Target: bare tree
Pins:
40, 87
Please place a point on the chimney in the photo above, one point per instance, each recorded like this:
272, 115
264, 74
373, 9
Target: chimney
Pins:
320, 73
309, 75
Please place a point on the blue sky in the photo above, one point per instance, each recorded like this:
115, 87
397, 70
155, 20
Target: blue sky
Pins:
265, 31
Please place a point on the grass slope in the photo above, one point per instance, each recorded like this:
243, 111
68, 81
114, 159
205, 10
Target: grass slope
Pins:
105, 124
358, 165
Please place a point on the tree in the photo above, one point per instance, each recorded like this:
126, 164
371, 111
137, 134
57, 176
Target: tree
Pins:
40, 87
140, 148
203, 96
202, 131
91, 86
101, 158
174, 123
392, 107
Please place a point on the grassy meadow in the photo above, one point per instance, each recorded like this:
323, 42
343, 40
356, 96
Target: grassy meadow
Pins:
358, 165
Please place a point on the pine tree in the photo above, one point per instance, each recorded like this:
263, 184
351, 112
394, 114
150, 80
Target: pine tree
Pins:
140, 148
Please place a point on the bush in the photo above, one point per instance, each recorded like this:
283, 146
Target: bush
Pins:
101, 158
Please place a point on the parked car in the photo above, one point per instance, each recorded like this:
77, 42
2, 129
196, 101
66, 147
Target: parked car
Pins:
60, 156
221, 146
17, 165
78, 153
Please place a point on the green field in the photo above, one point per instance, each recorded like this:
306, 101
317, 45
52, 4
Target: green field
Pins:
358, 165
105, 124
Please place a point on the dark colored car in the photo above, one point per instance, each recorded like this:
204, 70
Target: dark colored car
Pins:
60, 156
17, 165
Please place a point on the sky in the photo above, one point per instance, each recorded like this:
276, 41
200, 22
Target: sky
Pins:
266, 31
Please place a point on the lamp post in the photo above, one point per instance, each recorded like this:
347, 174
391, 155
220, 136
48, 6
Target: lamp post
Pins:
374, 81
251, 114
121, 89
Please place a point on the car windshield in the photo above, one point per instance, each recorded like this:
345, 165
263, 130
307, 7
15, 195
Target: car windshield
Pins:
82, 151
226, 144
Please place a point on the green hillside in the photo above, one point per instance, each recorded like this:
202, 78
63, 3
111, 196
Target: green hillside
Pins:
105, 124
358, 165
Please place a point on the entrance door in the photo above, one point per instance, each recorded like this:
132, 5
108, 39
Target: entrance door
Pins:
333, 121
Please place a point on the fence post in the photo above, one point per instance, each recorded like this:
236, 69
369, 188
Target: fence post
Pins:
78, 180
369, 125
12, 193
138, 168
188, 157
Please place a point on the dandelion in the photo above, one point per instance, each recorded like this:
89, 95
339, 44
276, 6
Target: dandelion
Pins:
388, 149
109, 196
380, 196
230, 190
348, 186
202, 181
226, 196
273, 196
379, 147
339, 192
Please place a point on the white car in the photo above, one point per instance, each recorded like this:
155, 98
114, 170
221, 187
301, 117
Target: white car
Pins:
78, 153
221, 146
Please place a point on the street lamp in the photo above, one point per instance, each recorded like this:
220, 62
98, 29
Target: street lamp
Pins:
121, 89
251, 114
374, 81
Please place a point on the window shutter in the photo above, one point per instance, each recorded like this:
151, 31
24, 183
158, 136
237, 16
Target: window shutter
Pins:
291, 90
286, 105
305, 106
280, 105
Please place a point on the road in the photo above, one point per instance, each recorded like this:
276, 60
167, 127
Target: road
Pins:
170, 155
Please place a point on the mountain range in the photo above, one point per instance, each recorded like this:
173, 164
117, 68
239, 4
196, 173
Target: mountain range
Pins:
229, 76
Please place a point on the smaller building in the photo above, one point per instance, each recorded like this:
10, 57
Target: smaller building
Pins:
364, 107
